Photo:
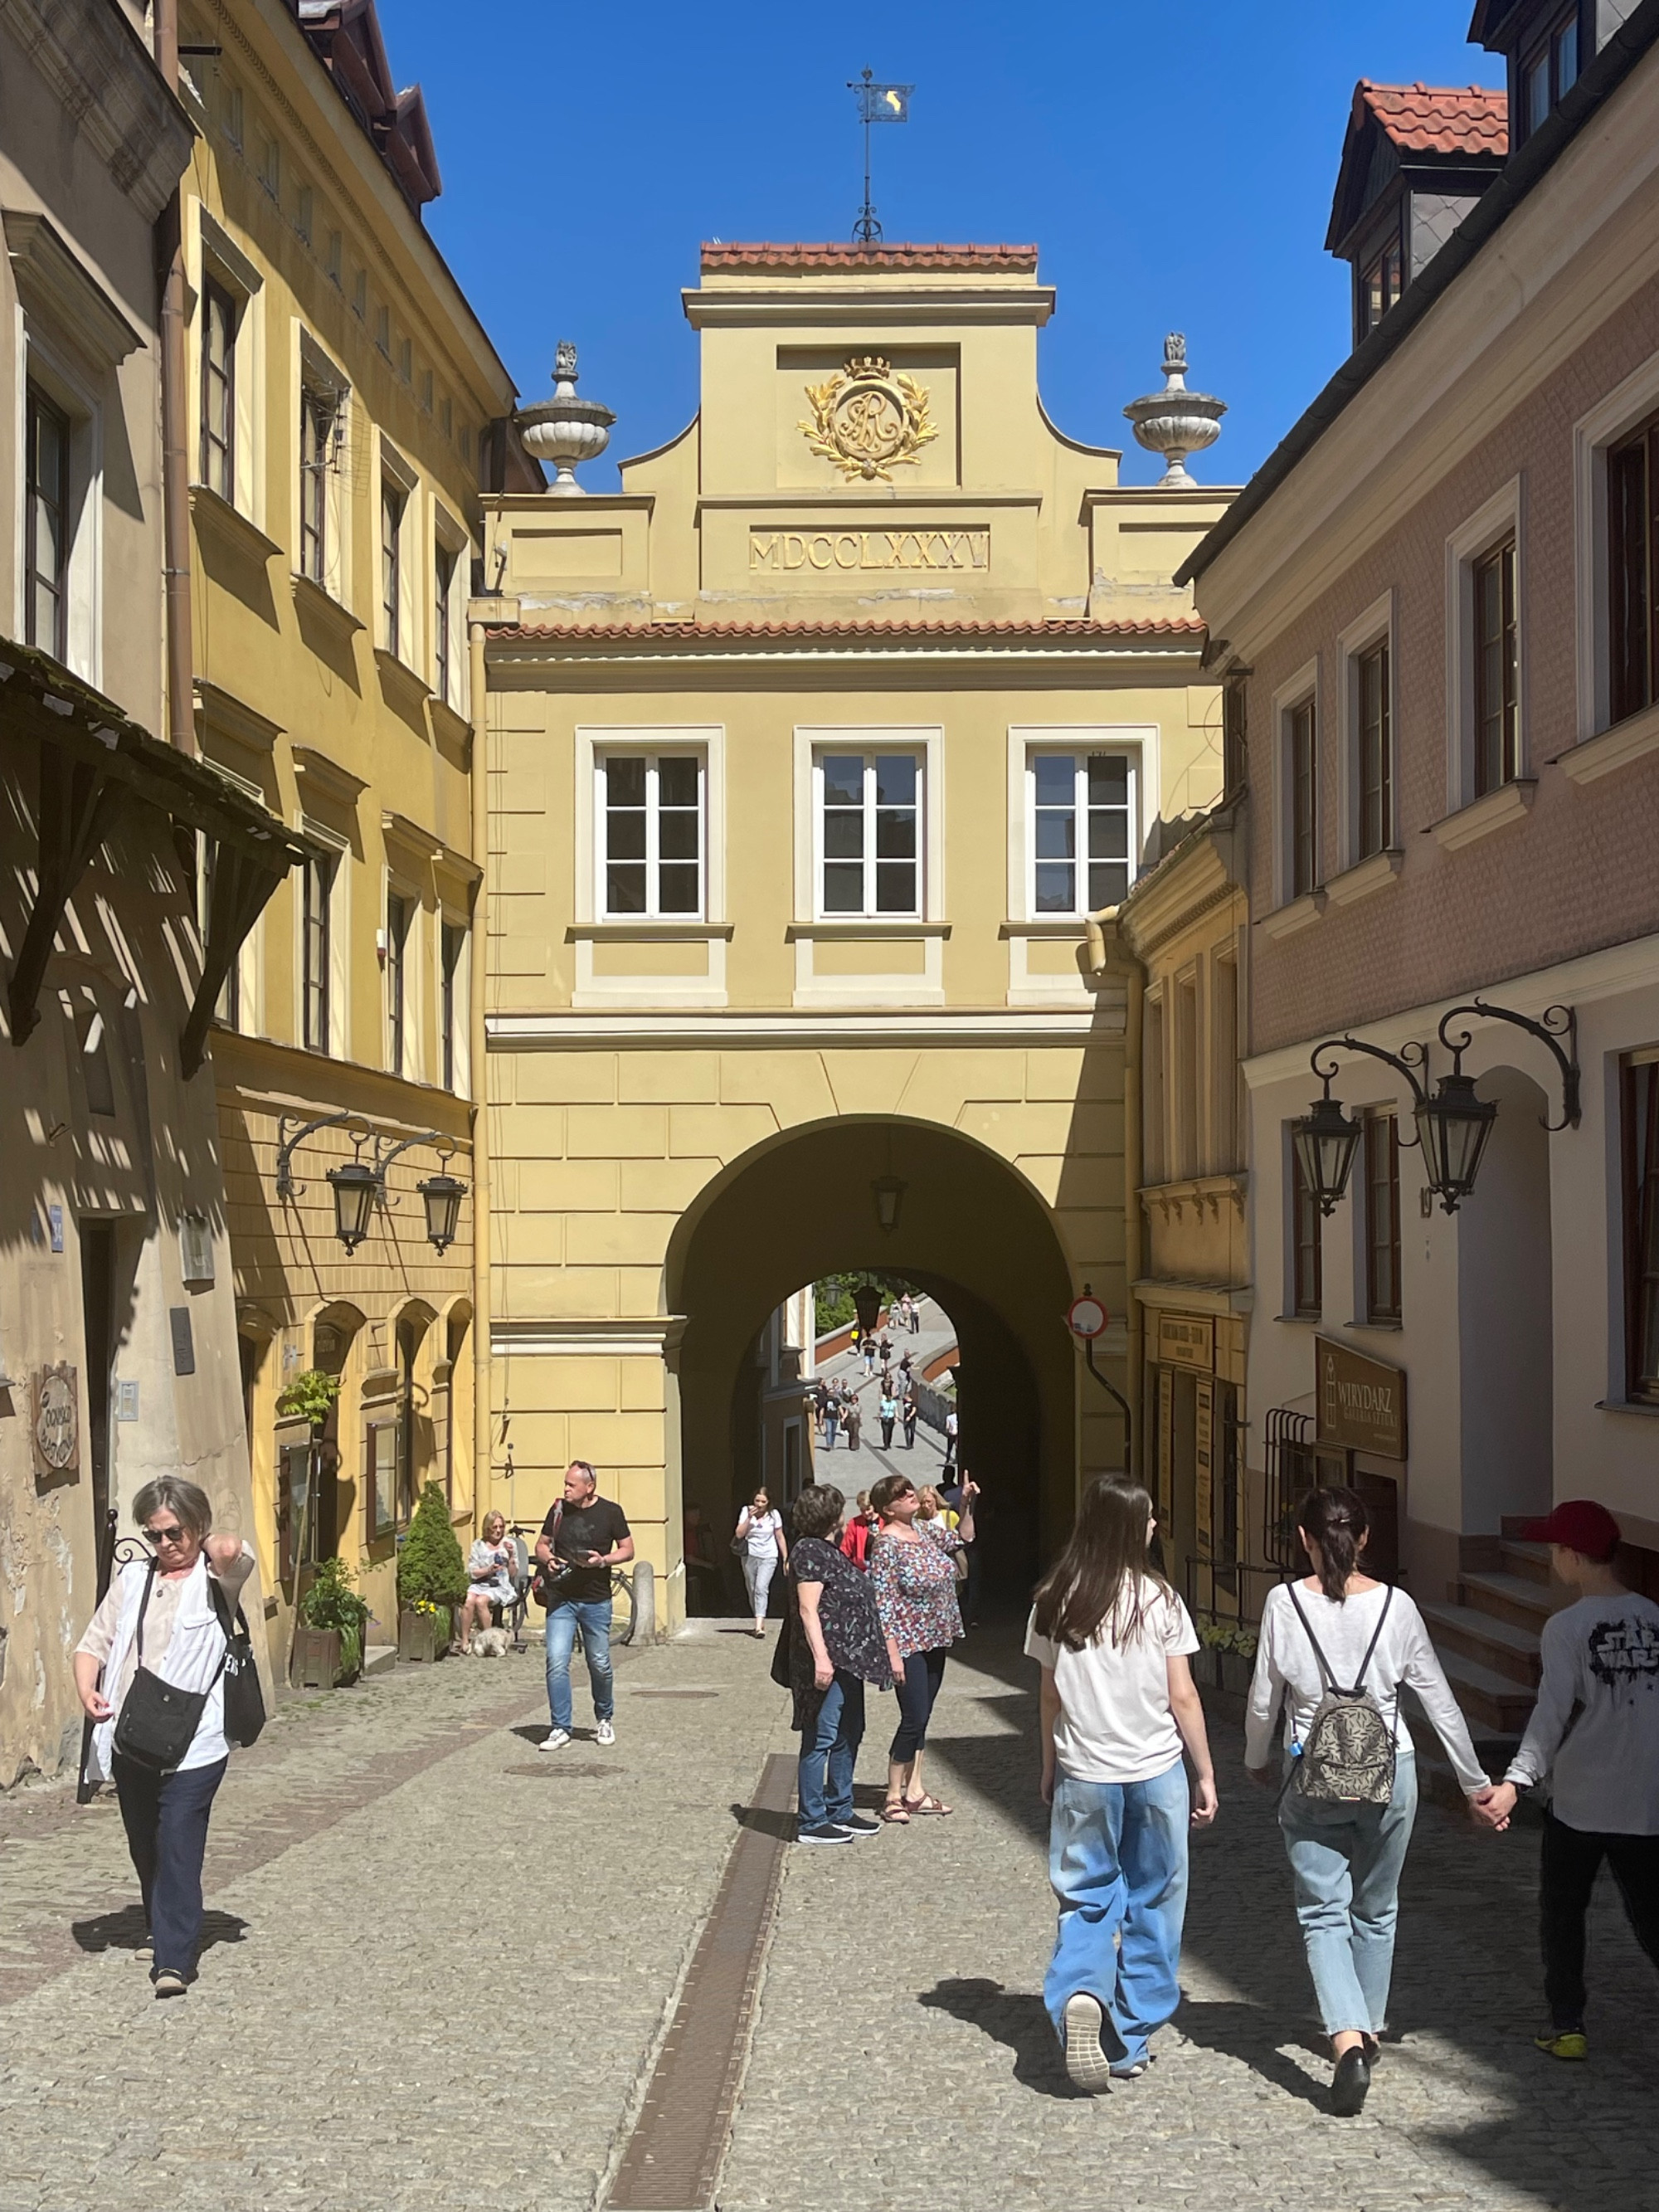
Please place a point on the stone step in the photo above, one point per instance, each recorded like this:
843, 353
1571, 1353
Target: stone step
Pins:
1493, 1704
377, 1657
1529, 1561
1499, 1644
1514, 1598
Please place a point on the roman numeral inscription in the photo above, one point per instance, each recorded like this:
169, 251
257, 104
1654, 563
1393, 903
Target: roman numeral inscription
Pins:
782, 551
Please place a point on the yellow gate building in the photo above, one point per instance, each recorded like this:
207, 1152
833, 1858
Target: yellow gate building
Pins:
812, 750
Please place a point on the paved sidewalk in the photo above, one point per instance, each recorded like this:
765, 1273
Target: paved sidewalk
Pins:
440, 1965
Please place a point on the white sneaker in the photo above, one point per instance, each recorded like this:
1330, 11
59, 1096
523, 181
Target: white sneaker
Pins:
555, 1740
605, 1733
1086, 2061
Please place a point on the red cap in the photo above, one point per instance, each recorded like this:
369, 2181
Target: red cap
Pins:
1579, 1524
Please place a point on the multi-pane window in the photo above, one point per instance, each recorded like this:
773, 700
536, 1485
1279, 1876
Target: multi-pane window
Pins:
443, 611
1375, 761
1081, 838
1548, 71
869, 834
317, 420
1382, 1218
45, 528
1307, 1247
1641, 1118
218, 459
397, 980
1379, 285
316, 948
1633, 572
1497, 701
452, 1007
392, 562
1302, 825
380, 1465
651, 826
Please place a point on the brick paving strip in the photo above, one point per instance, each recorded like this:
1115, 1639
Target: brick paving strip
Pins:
672, 2159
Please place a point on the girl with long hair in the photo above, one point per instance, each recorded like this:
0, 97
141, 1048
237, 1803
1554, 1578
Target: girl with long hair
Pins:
1340, 1631
1118, 1703
761, 1544
913, 1575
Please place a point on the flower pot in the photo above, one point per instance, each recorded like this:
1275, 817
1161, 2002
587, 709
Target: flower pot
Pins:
315, 1664
1236, 1673
422, 1637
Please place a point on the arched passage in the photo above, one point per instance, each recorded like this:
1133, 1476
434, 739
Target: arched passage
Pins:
969, 1228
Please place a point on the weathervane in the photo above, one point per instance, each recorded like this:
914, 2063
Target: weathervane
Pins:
878, 103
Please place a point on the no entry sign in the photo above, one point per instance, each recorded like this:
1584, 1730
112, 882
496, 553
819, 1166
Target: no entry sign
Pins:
1085, 1316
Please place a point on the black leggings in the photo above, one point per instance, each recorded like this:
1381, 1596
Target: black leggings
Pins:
917, 1688
1568, 1864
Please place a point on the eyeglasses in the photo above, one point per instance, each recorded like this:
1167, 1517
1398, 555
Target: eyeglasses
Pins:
172, 1535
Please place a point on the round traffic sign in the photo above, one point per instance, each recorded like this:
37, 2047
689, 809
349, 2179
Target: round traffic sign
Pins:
1085, 1316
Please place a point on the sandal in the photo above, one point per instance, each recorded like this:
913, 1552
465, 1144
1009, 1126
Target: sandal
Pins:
926, 1805
895, 1815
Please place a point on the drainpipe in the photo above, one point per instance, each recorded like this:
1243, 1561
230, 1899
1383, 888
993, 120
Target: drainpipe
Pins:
175, 464
480, 1068
1109, 955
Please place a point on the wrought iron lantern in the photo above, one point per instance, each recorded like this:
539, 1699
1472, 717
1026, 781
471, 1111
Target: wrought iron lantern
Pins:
866, 1303
1453, 1127
356, 1185
888, 1192
442, 1195
1325, 1141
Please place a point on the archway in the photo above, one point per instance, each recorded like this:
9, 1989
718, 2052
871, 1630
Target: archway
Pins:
969, 1228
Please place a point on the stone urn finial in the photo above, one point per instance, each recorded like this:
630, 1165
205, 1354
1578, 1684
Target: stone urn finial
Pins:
1175, 422
565, 430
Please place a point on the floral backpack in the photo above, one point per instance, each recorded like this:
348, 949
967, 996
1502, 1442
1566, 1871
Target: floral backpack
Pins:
1347, 1756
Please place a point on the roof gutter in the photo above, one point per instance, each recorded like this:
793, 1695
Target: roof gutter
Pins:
1638, 32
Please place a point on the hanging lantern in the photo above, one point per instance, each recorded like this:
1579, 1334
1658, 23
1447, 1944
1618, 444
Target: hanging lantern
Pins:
355, 1188
1454, 1126
442, 1195
888, 1192
866, 1303
1325, 1140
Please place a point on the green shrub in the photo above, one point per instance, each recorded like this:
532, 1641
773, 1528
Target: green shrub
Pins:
309, 1397
431, 1572
330, 1602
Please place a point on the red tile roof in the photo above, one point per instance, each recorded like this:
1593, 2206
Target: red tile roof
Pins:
697, 632
841, 254
1423, 119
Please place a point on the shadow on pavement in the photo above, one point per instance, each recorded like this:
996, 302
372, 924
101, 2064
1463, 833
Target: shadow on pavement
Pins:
1009, 2017
781, 1826
124, 1930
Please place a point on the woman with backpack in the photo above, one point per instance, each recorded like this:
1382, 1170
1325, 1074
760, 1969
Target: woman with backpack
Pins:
1335, 1651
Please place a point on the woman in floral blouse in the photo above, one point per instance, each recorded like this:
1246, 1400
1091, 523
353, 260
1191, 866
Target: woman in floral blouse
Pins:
913, 1573
836, 1647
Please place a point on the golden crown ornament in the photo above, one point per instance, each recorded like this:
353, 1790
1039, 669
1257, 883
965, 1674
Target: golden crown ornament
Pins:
868, 420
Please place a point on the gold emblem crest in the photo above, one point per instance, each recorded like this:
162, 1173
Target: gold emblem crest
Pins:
868, 421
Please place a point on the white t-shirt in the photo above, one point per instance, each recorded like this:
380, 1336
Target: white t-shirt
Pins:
1115, 1723
762, 1533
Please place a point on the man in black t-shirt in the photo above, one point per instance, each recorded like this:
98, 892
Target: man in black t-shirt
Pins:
587, 1535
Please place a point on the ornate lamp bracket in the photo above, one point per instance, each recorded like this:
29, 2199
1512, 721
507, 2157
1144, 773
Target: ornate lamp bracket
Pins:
444, 1147
1410, 1058
287, 1188
1558, 1022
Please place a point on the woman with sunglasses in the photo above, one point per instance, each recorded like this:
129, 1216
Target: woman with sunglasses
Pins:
160, 1612
913, 1571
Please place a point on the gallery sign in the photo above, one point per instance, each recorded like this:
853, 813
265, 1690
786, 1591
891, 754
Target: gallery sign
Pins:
1362, 1403
1186, 1340
56, 1426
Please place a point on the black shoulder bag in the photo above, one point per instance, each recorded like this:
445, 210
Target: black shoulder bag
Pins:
244, 1701
157, 1723
547, 1587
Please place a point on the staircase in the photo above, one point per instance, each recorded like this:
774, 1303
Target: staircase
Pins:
1486, 1637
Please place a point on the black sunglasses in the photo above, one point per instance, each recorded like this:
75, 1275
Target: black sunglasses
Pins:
173, 1535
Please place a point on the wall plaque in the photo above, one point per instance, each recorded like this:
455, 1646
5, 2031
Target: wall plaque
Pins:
1362, 1403
56, 1425
1186, 1340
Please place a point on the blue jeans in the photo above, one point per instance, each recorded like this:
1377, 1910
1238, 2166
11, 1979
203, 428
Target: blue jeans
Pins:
166, 1817
829, 1751
1347, 1861
594, 1616
831, 1430
1117, 1860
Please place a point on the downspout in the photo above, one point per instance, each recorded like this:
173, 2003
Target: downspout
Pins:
175, 463
480, 1071
1109, 955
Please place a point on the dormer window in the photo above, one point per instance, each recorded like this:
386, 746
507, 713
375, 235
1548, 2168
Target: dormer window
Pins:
1379, 285
1548, 71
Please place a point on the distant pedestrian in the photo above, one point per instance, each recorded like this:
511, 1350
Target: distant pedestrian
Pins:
855, 1536
888, 1414
904, 1369
868, 1348
835, 1647
1595, 1729
820, 1405
962, 1486
951, 1433
761, 1544
855, 1423
916, 1317
913, 1573
831, 1419
165, 1620
904, 1310
1334, 1650
583, 1537
886, 1349
908, 1418
1117, 1704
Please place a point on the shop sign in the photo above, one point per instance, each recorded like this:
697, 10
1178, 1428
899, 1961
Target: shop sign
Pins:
1362, 1403
1186, 1340
57, 1426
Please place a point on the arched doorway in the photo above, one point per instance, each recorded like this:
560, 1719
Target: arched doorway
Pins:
969, 1230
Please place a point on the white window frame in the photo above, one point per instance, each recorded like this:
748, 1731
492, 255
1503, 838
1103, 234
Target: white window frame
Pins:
1628, 403
410, 971
926, 740
75, 399
1501, 516
1080, 744
868, 751
339, 929
217, 255
460, 1039
450, 537
315, 371
593, 742
392, 469
653, 755
1302, 690
1376, 626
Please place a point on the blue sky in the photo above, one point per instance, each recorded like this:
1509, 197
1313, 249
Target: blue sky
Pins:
1175, 167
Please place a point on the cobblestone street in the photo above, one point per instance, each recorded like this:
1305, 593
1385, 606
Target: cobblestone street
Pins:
442, 1965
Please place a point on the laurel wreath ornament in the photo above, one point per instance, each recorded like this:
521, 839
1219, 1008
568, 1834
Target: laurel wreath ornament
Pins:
826, 433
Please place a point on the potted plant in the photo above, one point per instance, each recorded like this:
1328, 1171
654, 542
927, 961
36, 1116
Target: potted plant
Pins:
328, 1638
311, 1398
1207, 1660
431, 1580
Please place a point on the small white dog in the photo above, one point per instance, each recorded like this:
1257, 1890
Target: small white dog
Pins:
490, 1643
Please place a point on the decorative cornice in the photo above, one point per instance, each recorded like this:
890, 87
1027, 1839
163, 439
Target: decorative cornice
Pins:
715, 1031
53, 281
109, 94
841, 255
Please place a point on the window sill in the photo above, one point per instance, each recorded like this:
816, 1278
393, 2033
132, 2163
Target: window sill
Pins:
399, 681
449, 725
312, 598
1628, 1405
1371, 874
1493, 809
648, 929
854, 926
1377, 1328
1300, 913
1300, 1321
1613, 749
230, 526
1070, 926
